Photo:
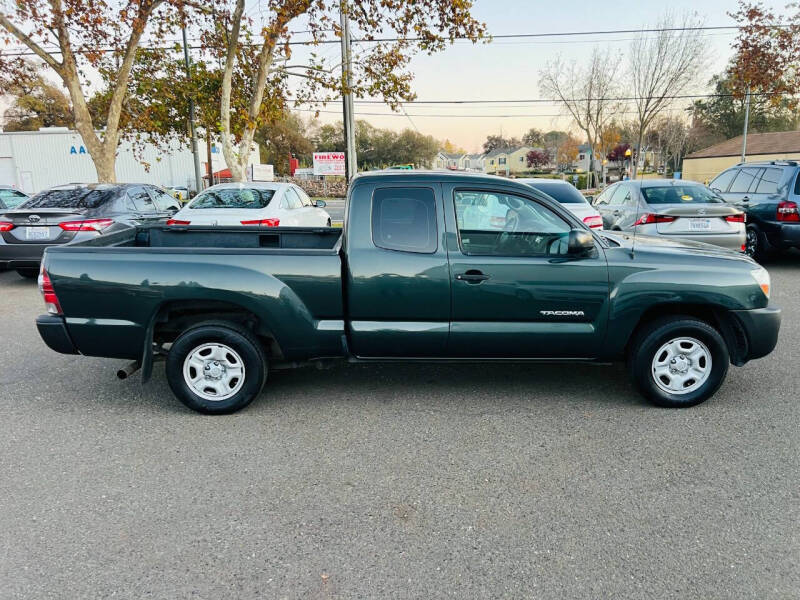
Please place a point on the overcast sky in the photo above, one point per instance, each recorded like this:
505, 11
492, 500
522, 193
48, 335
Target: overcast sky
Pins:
509, 69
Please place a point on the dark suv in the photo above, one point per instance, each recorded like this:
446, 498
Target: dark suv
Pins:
75, 212
769, 192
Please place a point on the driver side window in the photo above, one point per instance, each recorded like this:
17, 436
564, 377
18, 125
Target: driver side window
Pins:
499, 224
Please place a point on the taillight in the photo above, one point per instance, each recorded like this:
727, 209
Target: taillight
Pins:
263, 222
787, 211
6, 226
735, 218
593, 222
87, 225
50, 298
178, 222
649, 218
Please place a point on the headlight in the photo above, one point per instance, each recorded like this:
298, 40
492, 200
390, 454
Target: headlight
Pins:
762, 279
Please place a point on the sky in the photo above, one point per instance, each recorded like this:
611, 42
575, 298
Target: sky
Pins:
509, 69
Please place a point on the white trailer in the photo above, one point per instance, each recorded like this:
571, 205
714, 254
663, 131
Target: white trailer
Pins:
36, 160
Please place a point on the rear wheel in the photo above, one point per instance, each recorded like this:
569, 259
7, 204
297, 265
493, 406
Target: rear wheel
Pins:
28, 273
755, 245
216, 368
678, 361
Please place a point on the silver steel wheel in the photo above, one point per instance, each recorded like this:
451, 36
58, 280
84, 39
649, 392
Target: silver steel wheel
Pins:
681, 365
214, 371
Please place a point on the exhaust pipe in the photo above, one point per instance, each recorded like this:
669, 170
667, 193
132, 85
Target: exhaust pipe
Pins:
129, 370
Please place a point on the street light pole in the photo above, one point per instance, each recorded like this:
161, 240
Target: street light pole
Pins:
351, 161
198, 177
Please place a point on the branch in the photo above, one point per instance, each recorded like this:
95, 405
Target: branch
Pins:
30, 43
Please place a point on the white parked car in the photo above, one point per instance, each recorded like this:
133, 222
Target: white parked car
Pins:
261, 204
569, 197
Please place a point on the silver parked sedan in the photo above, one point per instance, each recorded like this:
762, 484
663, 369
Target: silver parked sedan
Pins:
672, 208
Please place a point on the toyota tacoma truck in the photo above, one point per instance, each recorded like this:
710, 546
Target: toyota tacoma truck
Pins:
428, 267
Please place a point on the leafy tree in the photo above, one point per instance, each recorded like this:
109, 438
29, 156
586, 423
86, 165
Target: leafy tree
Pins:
533, 137
538, 158
381, 70
495, 142
82, 31
282, 138
380, 148
451, 148
722, 115
617, 153
767, 58
36, 103
568, 151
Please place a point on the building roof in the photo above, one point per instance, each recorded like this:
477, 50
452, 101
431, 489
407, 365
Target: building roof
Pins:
510, 150
778, 142
453, 155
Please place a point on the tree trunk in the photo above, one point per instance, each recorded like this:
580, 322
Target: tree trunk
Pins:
635, 155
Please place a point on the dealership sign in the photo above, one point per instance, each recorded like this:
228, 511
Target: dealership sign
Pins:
328, 163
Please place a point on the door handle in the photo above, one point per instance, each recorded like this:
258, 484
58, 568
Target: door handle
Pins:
472, 276
745, 198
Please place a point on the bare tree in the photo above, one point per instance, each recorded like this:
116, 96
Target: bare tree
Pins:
664, 66
587, 94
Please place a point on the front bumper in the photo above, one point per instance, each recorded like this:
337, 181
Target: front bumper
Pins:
761, 326
54, 332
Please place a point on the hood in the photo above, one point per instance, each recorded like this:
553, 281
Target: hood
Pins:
666, 244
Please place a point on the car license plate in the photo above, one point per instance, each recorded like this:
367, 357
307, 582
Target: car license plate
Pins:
700, 224
37, 233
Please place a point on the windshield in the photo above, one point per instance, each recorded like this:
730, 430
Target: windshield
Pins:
680, 194
233, 198
565, 193
72, 198
11, 198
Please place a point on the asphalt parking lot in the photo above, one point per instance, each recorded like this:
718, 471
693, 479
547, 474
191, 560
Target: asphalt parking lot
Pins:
396, 481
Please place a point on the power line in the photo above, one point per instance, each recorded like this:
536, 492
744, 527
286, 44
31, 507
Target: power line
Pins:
442, 115
377, 40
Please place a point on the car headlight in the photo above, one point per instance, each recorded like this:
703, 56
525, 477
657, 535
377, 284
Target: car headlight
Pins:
762, 279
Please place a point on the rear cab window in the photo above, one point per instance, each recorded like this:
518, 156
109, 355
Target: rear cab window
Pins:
72, 198
244, 197
404, 219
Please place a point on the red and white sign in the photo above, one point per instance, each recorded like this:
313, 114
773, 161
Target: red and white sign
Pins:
328, 163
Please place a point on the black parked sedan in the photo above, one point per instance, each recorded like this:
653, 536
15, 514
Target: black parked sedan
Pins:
75, 213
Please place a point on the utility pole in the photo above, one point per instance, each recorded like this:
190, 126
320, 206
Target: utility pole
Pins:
198, 178
351, 161
746, 123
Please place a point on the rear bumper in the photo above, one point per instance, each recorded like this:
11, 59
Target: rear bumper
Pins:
761, 326
783, 235
54, 332
731, 241
16, 256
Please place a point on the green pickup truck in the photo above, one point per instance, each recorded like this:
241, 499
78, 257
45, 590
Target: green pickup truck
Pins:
429, 267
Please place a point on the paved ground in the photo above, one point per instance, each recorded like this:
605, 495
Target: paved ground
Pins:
403, 482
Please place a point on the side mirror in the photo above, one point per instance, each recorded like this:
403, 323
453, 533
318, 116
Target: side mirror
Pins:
716, 190
580, 242
320, 203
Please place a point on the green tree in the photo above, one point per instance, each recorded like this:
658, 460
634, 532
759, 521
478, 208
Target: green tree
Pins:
723, 114
495, 142
36, 103
533, 137
281, 138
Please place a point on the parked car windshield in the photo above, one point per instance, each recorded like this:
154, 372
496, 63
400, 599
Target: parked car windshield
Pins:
11, 198
680, 194
563, 192
233, 198
72, 198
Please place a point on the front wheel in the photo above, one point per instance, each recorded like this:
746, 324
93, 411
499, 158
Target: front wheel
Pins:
677, 361
216, 368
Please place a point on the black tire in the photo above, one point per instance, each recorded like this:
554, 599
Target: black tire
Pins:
28, 273
242, 341
650, 339
756, 245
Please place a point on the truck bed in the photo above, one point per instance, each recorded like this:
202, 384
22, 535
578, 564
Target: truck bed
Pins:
289, 277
